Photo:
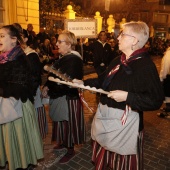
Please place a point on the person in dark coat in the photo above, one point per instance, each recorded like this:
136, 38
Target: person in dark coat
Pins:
101, 51
42, 35
31, 35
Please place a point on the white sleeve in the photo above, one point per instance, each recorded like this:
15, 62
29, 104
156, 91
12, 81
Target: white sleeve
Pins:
165, 65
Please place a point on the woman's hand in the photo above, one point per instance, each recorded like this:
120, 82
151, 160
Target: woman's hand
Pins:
118, 95
45, 92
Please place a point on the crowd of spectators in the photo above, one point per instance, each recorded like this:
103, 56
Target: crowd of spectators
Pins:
45, 45
157, 46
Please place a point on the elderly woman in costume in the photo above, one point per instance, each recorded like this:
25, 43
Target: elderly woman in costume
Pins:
134, 87
65, 105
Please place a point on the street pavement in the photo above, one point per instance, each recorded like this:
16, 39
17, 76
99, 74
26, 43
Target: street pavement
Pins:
156, 139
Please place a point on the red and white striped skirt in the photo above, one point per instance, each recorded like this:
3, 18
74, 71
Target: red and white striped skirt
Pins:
104, 159
42, 121
73, 131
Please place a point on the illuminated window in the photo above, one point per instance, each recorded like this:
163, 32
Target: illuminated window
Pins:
160, 18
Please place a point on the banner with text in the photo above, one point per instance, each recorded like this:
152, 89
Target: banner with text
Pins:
82, 27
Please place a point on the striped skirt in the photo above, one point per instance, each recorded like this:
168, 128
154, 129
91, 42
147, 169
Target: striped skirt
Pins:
20, 140
104, 159
73, 131
42, 121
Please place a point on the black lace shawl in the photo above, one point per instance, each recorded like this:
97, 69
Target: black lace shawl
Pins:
71, 65
15, 79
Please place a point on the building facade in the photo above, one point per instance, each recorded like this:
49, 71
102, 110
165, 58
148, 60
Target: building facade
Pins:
20, 11
156, 13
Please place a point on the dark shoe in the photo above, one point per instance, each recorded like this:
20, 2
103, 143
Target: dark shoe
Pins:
30, 167
59, 147
163, 115
67, 157
164, 109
